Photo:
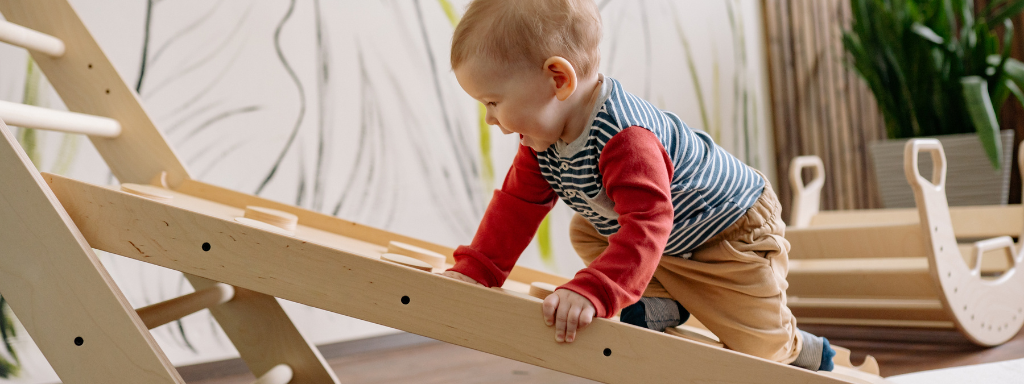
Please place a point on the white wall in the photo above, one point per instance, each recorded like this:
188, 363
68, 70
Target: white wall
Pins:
383, 135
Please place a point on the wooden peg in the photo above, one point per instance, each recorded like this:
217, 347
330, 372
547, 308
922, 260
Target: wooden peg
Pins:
280, 374
263, 226
695, 334
148, 191
160, 180
281, 219
435, 259
407, 261
165, 312
541, 290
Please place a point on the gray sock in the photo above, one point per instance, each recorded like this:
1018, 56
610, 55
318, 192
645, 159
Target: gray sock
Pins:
661, 313
811, 354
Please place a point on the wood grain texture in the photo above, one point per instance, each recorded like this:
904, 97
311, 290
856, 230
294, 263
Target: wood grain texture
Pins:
370, 289
88, 83
60, 291
373, 240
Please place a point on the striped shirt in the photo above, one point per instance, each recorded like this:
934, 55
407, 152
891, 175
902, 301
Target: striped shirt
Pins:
711, 189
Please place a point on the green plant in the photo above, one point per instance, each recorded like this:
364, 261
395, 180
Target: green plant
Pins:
935, 67
7, 331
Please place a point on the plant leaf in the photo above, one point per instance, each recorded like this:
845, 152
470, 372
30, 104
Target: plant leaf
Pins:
979, 107
927, 33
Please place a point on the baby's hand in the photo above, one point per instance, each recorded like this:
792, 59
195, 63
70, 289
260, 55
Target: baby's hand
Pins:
569, 312
460, 277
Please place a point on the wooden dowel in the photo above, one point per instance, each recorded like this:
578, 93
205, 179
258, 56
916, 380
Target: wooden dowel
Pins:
165, 312
15, 34
280, 374
44, 118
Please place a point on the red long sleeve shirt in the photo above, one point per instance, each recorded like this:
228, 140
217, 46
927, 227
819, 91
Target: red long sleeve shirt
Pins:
636, 172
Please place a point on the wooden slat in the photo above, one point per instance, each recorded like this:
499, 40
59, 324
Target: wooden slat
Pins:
861, 278
969, 222
856, 241
373, 290
869, 309
88, 83
60, 291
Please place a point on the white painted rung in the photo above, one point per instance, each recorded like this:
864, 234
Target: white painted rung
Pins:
280, 374
15, 34
165, 312
28, 116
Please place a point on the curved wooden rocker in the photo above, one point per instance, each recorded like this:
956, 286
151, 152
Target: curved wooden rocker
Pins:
888, 268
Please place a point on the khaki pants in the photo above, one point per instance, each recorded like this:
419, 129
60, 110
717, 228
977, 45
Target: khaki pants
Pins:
735, 283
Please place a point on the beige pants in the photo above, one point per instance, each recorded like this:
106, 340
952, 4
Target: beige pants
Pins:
735, 283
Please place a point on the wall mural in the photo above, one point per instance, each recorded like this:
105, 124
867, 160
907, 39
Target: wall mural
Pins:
351, 109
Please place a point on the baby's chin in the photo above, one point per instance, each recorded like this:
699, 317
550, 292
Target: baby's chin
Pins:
534, 144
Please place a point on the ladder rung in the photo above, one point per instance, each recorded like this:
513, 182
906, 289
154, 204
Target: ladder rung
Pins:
165, 312
15, 34
280, 374
47, 119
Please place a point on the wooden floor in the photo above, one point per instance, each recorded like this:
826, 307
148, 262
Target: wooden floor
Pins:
406, 358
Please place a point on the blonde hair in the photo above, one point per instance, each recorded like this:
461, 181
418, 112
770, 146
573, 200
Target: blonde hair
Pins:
525, 33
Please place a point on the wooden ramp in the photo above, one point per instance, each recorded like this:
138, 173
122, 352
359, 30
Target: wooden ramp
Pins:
240, 252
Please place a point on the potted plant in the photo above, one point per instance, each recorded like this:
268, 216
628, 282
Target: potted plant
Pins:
938, 69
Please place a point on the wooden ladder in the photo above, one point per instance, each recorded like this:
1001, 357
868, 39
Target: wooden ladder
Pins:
49, 274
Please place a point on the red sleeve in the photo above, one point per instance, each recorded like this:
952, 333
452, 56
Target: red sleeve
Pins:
637, 175
509, 224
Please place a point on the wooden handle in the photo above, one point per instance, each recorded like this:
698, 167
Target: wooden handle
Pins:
910, 164
806, 198
980, 247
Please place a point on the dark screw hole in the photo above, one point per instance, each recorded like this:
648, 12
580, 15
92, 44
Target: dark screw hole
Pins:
108, 91
607, 351
405, 299
79, 341
90, 65
206, 247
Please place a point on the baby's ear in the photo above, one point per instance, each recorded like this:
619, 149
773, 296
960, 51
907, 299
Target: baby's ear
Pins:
561, 75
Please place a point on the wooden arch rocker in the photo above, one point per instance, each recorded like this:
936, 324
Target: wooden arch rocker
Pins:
904, 267
240, 252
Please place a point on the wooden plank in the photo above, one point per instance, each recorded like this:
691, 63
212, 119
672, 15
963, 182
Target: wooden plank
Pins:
60, 291
255, 323
969, 222
861, 278
856, 241
88, 83
876, 309
392, 295
330, 225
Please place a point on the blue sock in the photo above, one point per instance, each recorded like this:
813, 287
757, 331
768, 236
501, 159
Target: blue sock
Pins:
827, 353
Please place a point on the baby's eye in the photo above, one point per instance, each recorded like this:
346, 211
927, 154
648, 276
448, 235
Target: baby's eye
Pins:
491, 103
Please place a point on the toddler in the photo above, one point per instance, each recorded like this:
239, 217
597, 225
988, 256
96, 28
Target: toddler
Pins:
668, 222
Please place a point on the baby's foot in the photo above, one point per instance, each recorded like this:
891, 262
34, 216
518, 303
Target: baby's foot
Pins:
655, 313
816, 353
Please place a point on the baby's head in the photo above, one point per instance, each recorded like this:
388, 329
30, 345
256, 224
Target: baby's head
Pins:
525, 60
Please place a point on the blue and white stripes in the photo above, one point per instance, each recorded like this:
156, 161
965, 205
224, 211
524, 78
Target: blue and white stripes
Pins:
711, 189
